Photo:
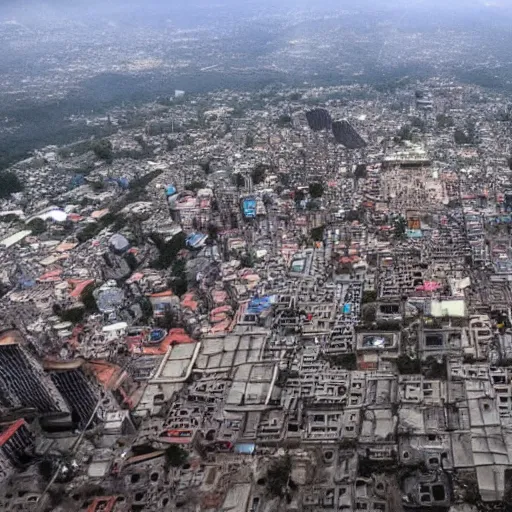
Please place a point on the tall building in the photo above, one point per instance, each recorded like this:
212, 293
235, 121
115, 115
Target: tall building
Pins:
24, 387
16, 445
319, 119
345, 134
78, 394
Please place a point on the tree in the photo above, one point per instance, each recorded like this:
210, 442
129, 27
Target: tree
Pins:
278, 476
119, 222
97, 186
444, 121
299, 195
9, 184
433, 369
88, 232
468, 483
37, 226
284, 178
195, 185
360, 172
369, 296
233, 219
258, 174
284, 120
103, 150
213, 231
460, 137
205, 164
400, 226
418, 123
303, 156
369, 313
353, 215
172, 144
316, 190
179, 286
408, 366
88, 299
169, 250
249, 140
317, 234
471, 131
238, 180
179, 283
509, 162
345, 361
247, 260
313, 204
295, 96
175, 456
405, 133
238, 111
73, 315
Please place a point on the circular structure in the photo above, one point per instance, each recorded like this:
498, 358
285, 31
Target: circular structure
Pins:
55, 215
119, 326
156, 336
118, 243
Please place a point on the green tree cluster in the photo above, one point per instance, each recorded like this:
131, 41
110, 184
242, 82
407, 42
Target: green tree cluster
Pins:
417, 122
194, 186
258, 173
317, 234
369, 296
405, 133
345, 361
247, 260
360, 172
299, 195
9, 184
249, 140
89, 231
284, 120
103, 150
400, 226
238, 180
175, 456
205, 164
467, 136
407, 365
171, 144
88, 299
278, 477
37, 226
460, 137
444, 121
179, 278
169, 250
316, 190
433, 369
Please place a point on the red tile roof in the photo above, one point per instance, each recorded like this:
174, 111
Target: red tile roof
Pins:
49, 277
79, 286
174, 337
10, 431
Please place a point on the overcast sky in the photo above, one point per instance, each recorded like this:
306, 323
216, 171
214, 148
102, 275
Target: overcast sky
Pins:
40, 10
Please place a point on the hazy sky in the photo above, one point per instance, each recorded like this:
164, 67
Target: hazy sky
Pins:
39, 11
18, 6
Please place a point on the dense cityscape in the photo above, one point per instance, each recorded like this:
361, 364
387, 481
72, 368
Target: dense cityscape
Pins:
288, 297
